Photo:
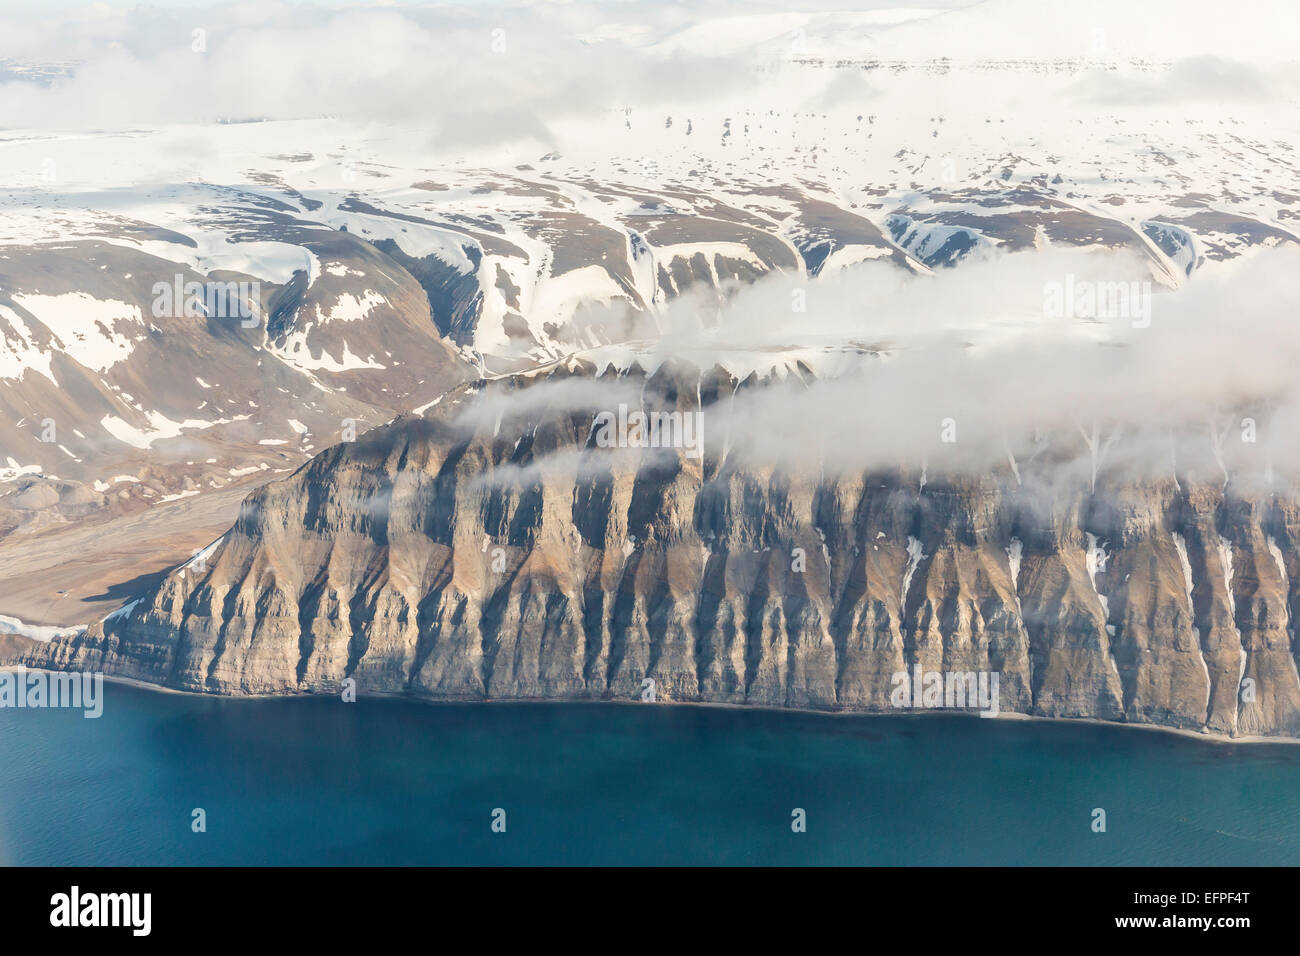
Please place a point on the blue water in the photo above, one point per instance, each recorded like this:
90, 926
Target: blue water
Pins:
318, 781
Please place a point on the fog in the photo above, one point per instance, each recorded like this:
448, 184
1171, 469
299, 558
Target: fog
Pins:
964, 373
477, 73
968, 370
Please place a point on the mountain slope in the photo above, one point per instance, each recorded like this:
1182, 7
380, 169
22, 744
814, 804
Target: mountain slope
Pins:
470, 554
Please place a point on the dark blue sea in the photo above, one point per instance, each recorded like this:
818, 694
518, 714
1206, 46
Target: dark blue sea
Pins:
319, 781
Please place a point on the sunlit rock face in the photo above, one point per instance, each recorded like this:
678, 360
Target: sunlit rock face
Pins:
502, 546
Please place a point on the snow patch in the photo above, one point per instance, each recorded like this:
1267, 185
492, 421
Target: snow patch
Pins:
201, 557
123, 612
350, 308
1225, 558
1015, 550
90, 331
1180, 544
915, 554
37, 632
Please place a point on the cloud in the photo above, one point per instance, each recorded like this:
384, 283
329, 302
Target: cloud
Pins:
970, 376
1215, 353
492, 73
504, 404
473, 73
1202, 79
973, 348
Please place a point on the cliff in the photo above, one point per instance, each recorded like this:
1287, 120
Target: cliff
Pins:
455, 556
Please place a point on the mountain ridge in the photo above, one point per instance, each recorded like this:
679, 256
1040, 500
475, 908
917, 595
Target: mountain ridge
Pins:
453, 558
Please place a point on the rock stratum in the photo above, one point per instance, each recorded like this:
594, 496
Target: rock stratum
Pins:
460, 555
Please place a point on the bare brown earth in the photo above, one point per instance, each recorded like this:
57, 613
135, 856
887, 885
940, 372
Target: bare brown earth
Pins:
13, 644
80, 573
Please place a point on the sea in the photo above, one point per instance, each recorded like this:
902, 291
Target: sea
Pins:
172, 779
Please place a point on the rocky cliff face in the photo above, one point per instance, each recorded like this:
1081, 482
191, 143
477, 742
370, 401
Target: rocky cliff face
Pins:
448, 557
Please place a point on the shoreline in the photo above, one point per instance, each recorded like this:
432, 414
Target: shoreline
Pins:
1010, 716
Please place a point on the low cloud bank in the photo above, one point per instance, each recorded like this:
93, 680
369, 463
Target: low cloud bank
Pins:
967, 374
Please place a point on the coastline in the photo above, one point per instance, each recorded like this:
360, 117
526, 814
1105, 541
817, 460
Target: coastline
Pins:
901, 712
